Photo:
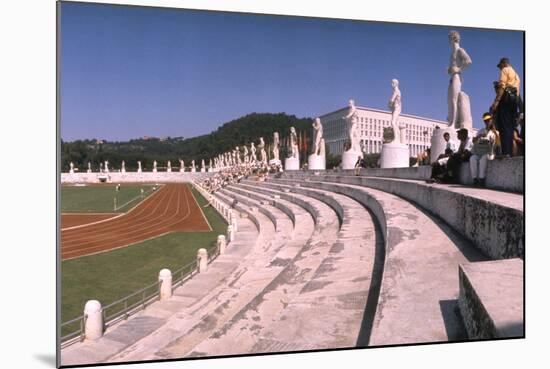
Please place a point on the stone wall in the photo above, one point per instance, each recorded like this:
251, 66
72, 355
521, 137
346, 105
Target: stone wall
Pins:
132, 177
502, 173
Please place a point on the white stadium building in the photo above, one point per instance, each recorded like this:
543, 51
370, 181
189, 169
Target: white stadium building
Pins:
371, 127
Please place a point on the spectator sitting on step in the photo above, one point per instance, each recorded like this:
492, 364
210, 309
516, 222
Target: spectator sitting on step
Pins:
439, 167
423, 158
360, 163
461, 155
518, 144
483, 150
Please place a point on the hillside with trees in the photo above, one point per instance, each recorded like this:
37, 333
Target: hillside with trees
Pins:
231, 134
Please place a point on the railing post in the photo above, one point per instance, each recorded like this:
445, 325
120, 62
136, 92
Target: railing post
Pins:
230, 233
202, 260
165, 279
234, 223
93, 327
221, 244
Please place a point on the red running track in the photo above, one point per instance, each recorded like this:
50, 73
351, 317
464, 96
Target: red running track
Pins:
171, 208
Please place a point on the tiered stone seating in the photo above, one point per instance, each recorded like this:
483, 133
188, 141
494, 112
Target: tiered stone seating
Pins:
492, 220
339, 260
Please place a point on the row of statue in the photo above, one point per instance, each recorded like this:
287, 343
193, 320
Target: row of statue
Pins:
459, 116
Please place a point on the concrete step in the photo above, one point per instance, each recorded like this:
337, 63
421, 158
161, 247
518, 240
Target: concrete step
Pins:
256, 272
491, 299
336, 307
242, 333
492, 220
419, 289
506, 174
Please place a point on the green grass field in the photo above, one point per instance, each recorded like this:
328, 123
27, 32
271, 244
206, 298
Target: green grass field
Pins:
112, 275
99, 199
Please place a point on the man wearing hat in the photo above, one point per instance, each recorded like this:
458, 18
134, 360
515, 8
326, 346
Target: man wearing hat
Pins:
506, 105
483, 150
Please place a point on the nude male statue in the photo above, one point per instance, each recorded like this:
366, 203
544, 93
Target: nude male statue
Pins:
459, 61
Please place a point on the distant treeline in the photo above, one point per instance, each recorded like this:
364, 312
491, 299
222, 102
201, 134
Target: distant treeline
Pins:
231, 134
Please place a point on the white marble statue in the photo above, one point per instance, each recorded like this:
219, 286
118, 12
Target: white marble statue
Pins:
210, 164
193, 163
123, 167
139, 166
245, 154
252, 152
263, 154
154, 166
395, 106
322, 147
89, 167
459, 61
276, 144
168, 166
106, 166
353, 131
238, 154
71, 165
293, 143
317, 136
202, 163
182, 166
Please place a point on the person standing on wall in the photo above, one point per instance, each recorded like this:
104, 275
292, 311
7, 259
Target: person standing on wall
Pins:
507, 104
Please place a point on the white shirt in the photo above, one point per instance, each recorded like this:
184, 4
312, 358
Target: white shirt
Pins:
451, 144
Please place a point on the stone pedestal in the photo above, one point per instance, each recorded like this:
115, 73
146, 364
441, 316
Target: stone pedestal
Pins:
202, 260
203, 170
154, 170
316, 162
394, 155
274, 162
292, 164
438, 142
349, 158
93, 328
193, 170
165, 279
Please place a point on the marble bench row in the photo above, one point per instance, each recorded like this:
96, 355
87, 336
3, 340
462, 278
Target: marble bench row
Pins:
462, 330
492, 220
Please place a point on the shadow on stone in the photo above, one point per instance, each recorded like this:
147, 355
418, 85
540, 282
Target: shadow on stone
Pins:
453, 320
470, 252
374, 290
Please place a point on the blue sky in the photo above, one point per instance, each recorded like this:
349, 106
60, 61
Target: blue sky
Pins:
128, 72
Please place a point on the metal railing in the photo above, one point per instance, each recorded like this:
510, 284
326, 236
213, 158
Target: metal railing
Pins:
75, 335
127, 306
181, 275
130, 304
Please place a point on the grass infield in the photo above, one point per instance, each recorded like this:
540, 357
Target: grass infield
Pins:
112, 275
99, 198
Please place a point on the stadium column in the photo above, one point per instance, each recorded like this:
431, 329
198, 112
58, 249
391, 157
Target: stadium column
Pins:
93, 327
202, 260
221, 244
165, 279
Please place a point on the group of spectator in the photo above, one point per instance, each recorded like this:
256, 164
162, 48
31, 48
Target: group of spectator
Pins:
503, 134
235, 173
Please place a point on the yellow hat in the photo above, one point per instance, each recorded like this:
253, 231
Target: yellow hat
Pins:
487, 116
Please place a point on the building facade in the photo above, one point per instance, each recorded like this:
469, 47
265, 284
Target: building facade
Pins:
371, 127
